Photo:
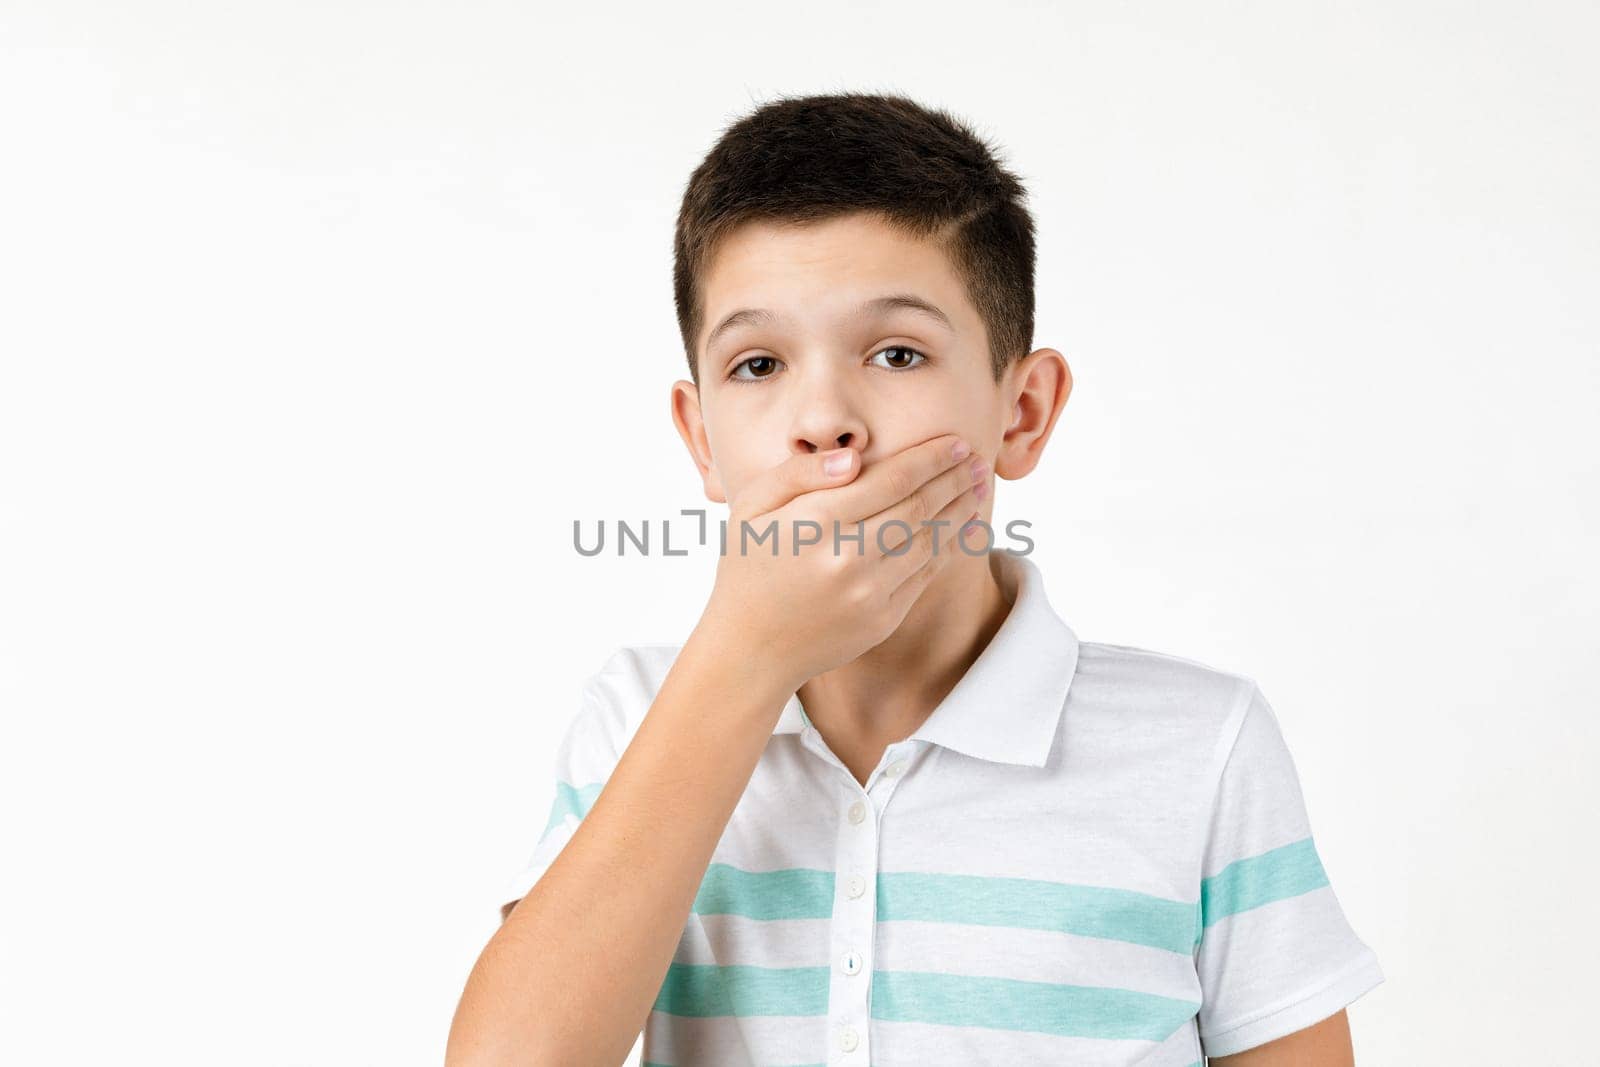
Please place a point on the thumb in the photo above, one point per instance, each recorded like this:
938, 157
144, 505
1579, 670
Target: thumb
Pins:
801, 473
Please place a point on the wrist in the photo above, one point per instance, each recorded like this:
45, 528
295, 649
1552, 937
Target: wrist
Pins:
753, 664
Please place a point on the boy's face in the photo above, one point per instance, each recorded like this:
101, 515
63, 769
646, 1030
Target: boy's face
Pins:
826, 362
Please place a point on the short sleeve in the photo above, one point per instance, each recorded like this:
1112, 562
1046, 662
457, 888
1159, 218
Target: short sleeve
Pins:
1276, 953
584, 759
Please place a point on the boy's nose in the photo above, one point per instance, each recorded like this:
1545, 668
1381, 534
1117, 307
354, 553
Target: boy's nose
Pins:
820, 436
825, 416
843, 440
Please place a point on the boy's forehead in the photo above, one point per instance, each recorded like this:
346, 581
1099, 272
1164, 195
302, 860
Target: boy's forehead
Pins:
832, 265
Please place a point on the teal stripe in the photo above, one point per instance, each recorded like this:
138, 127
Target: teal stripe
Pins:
1032, 904
1276, 874
708, 990
787, 893
1025, 903
570, 800
1013, 1004
705, 990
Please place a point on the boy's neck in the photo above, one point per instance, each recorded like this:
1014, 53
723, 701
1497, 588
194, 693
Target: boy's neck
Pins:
883, 695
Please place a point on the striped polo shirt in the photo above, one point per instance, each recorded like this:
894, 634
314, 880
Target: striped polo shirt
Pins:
1086, 854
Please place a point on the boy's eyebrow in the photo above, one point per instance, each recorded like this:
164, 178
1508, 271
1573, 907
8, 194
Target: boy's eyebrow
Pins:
906, 302
877, 305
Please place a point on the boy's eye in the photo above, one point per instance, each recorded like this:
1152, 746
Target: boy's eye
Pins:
759, 366
894, 357
902, 356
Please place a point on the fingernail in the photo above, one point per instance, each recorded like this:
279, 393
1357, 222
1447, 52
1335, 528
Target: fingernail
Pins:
837, 462
960, 450
980, 469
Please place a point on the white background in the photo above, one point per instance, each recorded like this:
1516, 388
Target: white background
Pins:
321, 322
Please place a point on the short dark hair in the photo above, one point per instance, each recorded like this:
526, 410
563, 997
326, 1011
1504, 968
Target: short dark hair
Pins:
810, 158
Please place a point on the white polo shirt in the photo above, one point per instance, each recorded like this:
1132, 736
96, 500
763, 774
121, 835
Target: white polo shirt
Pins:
1087, 854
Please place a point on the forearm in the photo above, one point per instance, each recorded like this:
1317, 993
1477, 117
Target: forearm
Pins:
1324, 1044
571, 975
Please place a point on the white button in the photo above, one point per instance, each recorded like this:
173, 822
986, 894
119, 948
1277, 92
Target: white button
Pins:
857, 812
851, 964
855, 886
895, 770
849, 1039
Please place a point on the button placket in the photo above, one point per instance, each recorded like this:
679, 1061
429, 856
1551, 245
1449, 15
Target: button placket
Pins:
854, 918
854, 923
896, 762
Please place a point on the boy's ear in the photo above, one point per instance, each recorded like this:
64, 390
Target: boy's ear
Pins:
692, 428
1040, 382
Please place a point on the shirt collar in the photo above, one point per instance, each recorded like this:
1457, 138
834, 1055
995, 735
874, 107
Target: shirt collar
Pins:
1007, 706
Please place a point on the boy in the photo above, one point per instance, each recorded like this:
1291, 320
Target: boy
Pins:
882, 807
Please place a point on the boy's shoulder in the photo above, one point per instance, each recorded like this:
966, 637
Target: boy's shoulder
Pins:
612, 702
621, 689
1170, 695
1143, 667
634, 672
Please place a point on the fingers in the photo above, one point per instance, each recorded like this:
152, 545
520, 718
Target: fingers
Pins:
799, 474
968, 480
897, 477
931, 549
